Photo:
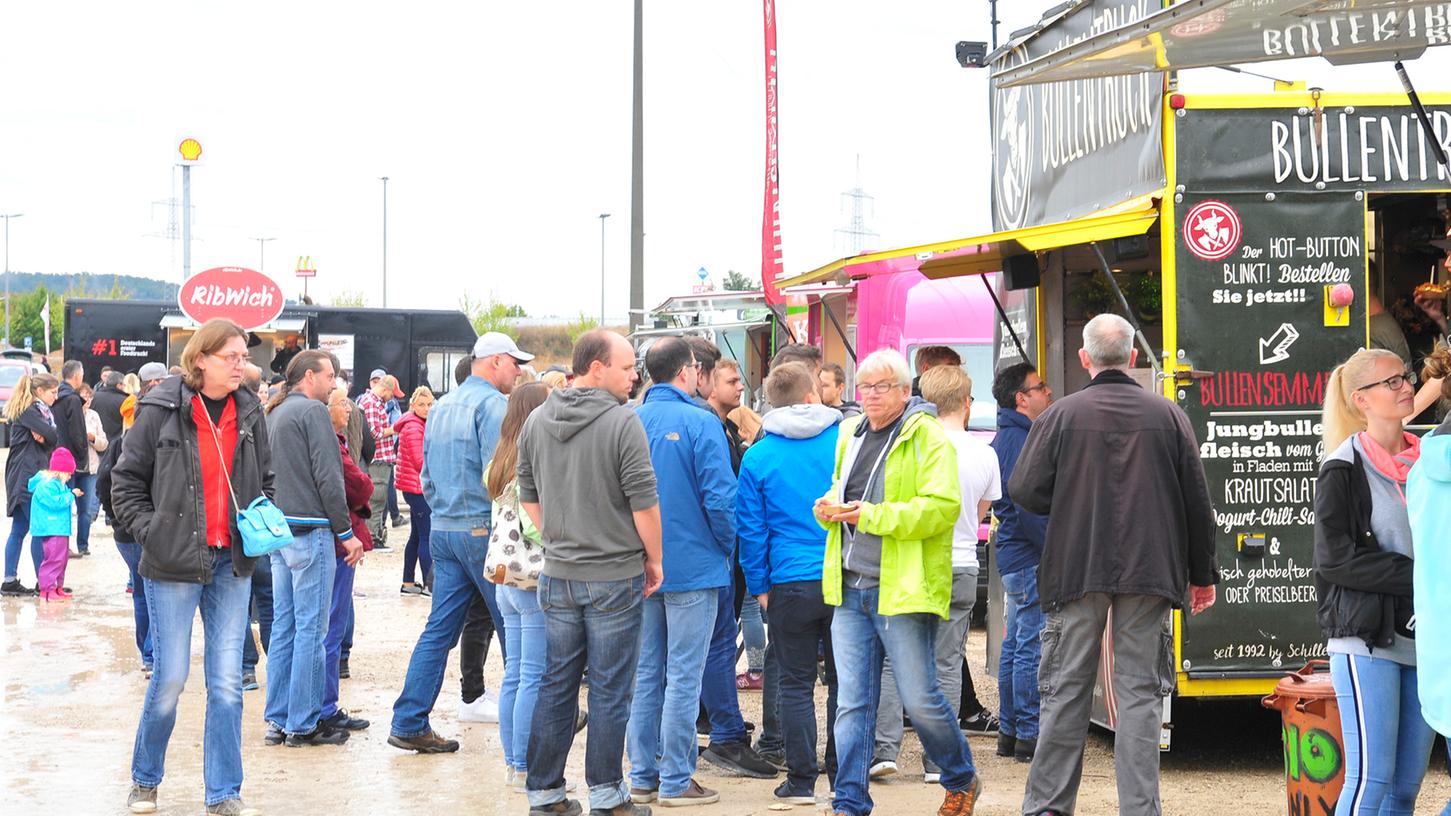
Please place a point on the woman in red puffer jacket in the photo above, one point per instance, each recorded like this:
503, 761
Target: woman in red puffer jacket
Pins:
410, 464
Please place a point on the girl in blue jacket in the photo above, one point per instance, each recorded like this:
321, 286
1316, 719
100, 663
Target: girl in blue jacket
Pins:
52, 505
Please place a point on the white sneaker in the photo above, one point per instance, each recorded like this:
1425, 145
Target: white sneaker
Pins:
483, 710
882, 769
931, 777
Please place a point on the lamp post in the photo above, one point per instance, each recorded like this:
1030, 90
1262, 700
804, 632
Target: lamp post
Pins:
7, 273
262, 253
384, 179
603, 216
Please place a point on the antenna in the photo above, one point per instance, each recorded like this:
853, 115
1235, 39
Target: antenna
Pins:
855, 234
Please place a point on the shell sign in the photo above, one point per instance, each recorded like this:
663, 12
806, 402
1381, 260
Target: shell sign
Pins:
244, 296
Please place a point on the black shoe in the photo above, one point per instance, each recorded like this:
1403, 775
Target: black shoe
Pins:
14, 589
430, 743
249, 681
343, 672
274, 735
398, 522
85, 553
581, 719
567, 807
1024, 750
622, 809
794, 794
345, 721
776, 758
321, 735
738, 758
983, 722
1006, 742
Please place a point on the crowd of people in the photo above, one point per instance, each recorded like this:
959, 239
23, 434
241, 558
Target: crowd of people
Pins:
625, 536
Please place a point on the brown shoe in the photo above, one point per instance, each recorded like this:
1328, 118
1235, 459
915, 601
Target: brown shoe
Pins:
961, 803
430, 743
694, 794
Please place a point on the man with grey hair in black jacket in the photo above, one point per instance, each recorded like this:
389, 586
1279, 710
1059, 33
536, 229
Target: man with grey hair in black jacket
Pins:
1130, 529
309, 491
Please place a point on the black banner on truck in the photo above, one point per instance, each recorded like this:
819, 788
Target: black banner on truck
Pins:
1341, 148
1254, 275
1062, 150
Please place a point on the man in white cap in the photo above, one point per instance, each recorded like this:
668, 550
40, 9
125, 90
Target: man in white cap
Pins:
463, 428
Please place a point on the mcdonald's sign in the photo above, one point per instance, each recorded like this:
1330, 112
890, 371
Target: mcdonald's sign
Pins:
305, 267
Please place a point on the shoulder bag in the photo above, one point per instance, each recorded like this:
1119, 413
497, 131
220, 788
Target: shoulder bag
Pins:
263, 527
513, 558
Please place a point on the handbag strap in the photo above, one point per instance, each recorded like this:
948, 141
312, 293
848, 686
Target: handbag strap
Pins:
221, 457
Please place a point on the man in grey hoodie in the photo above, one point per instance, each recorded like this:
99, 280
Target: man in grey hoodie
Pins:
586, 481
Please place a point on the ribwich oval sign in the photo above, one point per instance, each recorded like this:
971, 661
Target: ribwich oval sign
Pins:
244, 296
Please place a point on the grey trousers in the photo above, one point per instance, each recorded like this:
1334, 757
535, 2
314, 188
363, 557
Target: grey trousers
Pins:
1143, 674
380, 473
951, 639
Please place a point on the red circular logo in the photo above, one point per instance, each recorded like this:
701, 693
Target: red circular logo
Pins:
245, 296
1212, 230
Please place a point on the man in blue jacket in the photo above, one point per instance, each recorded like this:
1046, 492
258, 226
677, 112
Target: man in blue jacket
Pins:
1021, 396
782, 551
697, 508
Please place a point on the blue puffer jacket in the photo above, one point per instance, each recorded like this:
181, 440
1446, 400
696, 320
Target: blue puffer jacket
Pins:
51, 506
782, 476
1428, 501
1020, 533
697, 489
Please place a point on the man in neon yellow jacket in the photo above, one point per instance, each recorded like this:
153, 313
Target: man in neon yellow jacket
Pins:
894, 499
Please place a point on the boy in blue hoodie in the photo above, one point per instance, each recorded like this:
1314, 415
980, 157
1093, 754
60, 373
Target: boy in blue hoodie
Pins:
697, 500
782, 551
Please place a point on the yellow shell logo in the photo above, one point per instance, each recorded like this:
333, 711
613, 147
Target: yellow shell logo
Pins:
191, 149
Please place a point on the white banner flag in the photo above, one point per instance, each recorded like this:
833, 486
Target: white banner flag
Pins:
45, 319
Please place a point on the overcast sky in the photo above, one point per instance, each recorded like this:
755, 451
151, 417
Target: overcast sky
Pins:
505, 131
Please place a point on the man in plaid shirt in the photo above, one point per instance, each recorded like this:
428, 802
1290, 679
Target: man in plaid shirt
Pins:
373, 402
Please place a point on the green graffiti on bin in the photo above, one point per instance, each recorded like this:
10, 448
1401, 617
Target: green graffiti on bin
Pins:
1315, 754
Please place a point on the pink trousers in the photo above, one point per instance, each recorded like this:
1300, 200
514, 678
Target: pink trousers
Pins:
52, 569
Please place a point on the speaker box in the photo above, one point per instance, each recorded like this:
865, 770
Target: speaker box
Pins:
1020, 272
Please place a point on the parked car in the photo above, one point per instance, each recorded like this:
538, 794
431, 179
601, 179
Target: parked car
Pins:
11, 370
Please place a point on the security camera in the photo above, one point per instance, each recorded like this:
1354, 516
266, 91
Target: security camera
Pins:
971, 54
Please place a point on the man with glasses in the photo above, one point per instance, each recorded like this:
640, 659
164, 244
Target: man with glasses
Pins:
889, 517
463, 429
1022, 397
697, 507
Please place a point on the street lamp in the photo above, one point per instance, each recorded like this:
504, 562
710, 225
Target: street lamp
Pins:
384, 179
603, 216
7, 273
262, 253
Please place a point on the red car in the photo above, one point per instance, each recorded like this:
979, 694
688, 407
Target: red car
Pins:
11, 370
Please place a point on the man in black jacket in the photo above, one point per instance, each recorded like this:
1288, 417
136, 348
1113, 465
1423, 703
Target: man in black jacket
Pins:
107, 403
1130, 529
70, 423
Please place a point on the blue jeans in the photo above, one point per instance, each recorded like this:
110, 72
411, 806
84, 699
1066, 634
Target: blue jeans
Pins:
262, 603
859, 639
173, 606
339, 615
131, 554
1018, 699
1387, 741
458, 579
416, 553
674, 637
302, 586
86, 506
19, 529
523, 666
718, 684
753, 632
594, 623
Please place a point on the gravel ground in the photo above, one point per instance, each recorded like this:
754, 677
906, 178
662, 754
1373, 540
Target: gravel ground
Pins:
72, 686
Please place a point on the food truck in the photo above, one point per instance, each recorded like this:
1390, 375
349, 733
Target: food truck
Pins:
1249, 238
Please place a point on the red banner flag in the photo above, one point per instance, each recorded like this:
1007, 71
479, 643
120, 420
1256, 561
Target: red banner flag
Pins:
771, 266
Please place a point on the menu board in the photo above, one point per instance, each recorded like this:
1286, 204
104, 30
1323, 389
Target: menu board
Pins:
1254, 275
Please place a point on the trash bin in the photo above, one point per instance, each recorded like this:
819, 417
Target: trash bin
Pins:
1310, 733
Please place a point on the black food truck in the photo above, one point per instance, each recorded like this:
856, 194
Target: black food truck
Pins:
418, 346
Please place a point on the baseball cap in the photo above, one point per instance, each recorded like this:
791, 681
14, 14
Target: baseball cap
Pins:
152, 371
377, 374
491, 343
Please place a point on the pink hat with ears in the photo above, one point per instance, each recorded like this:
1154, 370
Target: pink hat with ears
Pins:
61, 461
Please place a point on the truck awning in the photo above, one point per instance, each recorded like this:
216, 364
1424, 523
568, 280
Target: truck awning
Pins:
1203, 33
981, 254
281, 324
724, 300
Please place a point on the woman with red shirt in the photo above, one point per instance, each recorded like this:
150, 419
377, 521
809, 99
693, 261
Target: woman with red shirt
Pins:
410, 428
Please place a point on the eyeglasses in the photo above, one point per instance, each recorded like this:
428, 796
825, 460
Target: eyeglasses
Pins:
235, 359
1393, 382
877, 388
1042, 386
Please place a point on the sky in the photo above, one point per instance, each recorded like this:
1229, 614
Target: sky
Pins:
504, 130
